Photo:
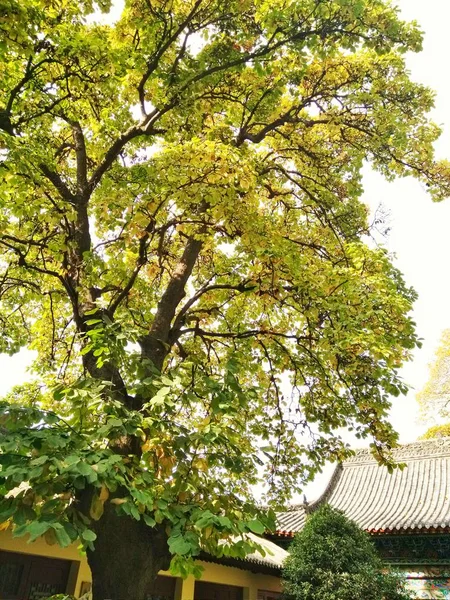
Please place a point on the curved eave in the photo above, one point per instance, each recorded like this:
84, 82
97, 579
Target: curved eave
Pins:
413, 500
432, 530
288, 534
424, 530
246, 564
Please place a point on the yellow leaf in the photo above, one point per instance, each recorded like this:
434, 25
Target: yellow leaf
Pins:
96, 510
147, 446
118, 501
4, 525
166, 464
104, 493
201, 464
50, 537
206, 421
183, 496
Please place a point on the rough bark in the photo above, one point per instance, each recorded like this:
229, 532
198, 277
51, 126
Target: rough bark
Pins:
127, 558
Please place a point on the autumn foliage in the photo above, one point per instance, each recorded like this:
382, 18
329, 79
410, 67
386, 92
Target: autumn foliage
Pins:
184, 246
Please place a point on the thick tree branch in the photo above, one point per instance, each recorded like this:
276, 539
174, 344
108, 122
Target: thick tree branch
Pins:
115, 149
80, 151
58, 183
30, 71
155, 345
243, 334
242, 287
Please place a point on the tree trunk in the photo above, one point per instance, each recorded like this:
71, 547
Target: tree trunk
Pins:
127, 557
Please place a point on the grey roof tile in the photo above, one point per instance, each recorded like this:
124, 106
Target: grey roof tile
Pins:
274, 555
414, 498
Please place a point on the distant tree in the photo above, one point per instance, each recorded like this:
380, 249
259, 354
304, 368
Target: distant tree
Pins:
434, 398
333, 559
437, 431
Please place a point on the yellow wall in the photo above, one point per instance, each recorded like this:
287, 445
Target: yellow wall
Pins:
214, 573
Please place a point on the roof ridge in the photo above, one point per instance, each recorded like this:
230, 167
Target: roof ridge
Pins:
305, 505
417, 450
328, 490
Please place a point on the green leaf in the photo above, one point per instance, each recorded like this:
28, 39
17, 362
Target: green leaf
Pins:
134, 512
41, 460
88, 535
37, 528
84, 469
256, 526
149, 520
159, 397
62, 537
178, 545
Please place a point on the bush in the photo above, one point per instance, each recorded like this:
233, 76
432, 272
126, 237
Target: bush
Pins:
333, 559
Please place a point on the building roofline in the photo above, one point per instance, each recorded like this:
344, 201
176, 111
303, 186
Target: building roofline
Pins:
380, 532
381, 505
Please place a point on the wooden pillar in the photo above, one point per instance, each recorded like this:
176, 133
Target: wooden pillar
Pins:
184, 588
250, 593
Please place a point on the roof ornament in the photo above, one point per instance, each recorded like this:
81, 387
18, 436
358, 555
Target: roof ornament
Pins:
305, 504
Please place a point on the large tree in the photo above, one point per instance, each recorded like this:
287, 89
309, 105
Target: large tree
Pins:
182, 240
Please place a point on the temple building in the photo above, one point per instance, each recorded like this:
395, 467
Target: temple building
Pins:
37, 570
407, 512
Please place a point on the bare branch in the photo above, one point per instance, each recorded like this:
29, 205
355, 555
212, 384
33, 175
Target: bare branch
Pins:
242, 287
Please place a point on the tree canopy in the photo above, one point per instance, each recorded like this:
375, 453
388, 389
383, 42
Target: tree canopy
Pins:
183, 241
333, 559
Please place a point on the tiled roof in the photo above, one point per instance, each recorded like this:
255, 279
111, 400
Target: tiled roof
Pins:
270, 563
416, 498
274, 555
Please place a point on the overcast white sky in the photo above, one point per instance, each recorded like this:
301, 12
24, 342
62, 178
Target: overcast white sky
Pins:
419, 228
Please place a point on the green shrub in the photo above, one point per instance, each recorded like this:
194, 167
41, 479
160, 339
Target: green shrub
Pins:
333, 559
